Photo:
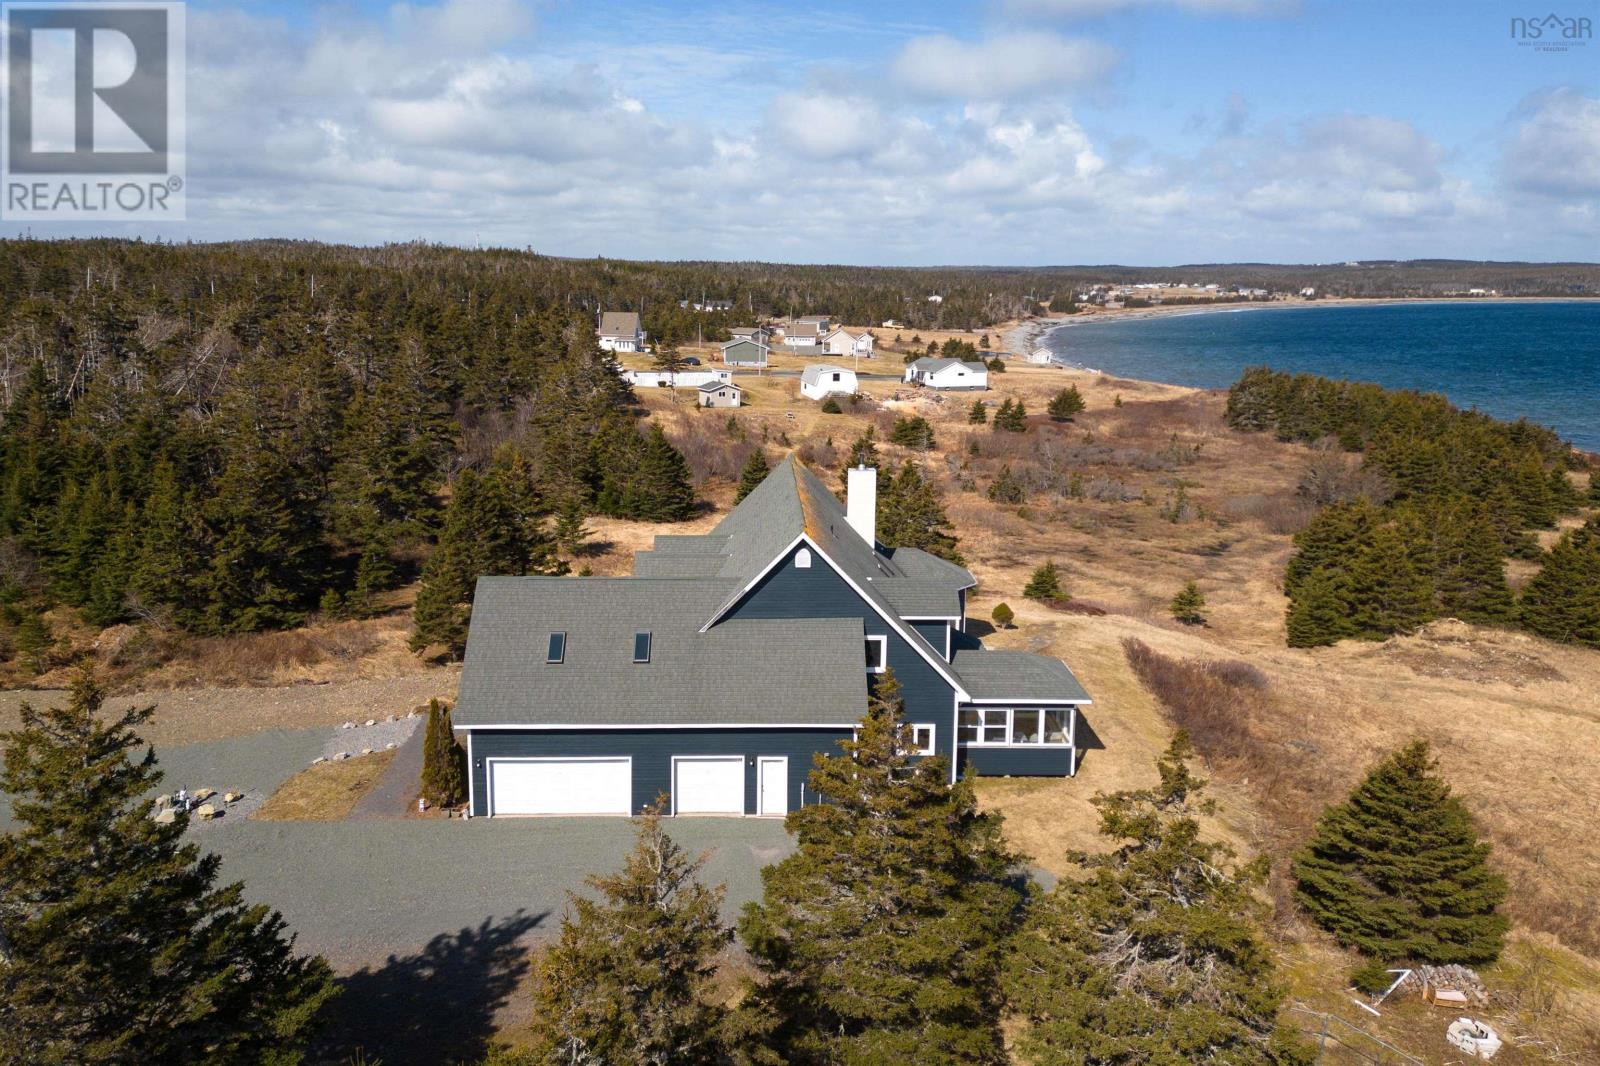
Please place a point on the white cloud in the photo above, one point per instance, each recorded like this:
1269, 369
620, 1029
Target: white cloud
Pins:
822, 125
1554, 150
1073, 9
1000, 67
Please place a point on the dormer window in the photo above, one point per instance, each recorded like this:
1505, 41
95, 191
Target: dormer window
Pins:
641, 647
802, 559
556, 652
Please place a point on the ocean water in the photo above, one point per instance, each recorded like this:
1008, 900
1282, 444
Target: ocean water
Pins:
1535, 360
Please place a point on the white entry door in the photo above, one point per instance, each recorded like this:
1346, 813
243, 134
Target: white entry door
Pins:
772, 790
708, 784
561, 786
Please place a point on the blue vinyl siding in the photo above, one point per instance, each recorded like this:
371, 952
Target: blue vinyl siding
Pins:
935, 633
818, 591
1052, 761
652, 751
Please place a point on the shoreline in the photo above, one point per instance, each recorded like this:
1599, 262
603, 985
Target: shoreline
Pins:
1022, 338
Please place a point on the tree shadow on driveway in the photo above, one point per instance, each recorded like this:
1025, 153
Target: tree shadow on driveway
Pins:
437, 1006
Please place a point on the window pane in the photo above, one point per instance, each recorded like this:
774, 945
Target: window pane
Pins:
557, 650
969, 724
923, 739
1025, 727
641, 647
1055, 725
875, 647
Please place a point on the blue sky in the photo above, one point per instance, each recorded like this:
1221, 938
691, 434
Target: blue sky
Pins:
1007, 131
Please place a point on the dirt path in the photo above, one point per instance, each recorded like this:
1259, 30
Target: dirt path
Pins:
396, 790
194, 715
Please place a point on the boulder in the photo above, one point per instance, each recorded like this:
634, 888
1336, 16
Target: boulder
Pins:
319, 758
232, 797
204, 793
206, 811
389, 746
166, 816
341, 756
348, 725
366, 751
163, 801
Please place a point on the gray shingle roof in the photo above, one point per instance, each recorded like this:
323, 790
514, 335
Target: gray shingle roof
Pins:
931, 365
742, 671
1016, 675
916, 598
677, 564
619, 324
813, 373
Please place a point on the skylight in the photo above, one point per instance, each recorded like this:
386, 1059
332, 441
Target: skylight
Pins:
641, 647
557, 651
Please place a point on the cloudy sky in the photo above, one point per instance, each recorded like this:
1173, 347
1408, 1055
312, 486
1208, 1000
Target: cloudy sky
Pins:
999, 131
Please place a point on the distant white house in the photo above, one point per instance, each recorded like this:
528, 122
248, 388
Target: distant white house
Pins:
683, 379
947, 374
843, 342
620, 331
742, 351
1041, 355
820, 380
802, 334
759, 334
721, 394
823, 322
936, 299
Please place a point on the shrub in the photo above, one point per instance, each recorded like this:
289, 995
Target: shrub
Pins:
1045, 584
1002, 615
912, 432
1187, 606
830, 406
1007, 487
1372, 977
443, 761
1065, 404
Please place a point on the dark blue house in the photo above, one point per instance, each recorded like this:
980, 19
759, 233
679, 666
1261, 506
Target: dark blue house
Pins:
729, 659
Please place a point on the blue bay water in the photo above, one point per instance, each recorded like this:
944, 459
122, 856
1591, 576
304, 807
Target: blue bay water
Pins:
1535, 360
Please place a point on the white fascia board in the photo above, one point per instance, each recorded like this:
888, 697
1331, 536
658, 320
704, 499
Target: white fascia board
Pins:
1027, 701
536, 726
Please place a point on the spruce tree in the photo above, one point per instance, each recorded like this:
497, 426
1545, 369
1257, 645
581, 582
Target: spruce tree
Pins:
1012, 417
1007, 487
1188, 606
1562, 601
1594, 488
116, 943
912, 431
1316, 615
664, 491
1045, 584
629, 980
1155, 957
863, 452
1002, 615
1397, 870
1469, 576
444, 764
1065, 404
880, 938
754, 473
911, 514
978, 413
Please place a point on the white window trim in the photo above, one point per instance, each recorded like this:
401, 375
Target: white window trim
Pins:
883, 656
933, 738
1010, 722
802, 559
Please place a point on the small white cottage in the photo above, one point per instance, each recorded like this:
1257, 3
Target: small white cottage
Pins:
1042, 356
721, 394
843, 342
819, 381
947, 374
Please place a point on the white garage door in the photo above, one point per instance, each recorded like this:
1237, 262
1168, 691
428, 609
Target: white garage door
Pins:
561, 786
708, 785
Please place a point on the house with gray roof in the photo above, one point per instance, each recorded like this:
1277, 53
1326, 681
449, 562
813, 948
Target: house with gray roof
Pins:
620, 331
715, 672
947, 373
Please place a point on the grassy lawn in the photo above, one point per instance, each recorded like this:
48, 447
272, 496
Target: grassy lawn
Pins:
326, 792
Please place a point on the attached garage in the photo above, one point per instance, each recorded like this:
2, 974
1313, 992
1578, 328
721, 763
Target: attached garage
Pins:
561, 786
708, 784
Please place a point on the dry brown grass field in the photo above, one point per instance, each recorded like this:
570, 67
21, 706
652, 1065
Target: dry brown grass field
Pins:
327, 792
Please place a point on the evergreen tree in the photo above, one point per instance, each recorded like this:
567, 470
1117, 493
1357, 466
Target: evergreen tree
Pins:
664, 491
1316, 616
1188, 606
1002, 615
1045, 584
1007, 487
1065, 404
1156, 957
863, 452
830, 406
1594, 488
754, 473
913, 431
1562, 601
1469, 576
978, 413
881, 937
996, 365
629, 980
668, 360
116, 943
1012, 417
1398, 873
444, 764
911, 514
34, 641
570, 531
375, 575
